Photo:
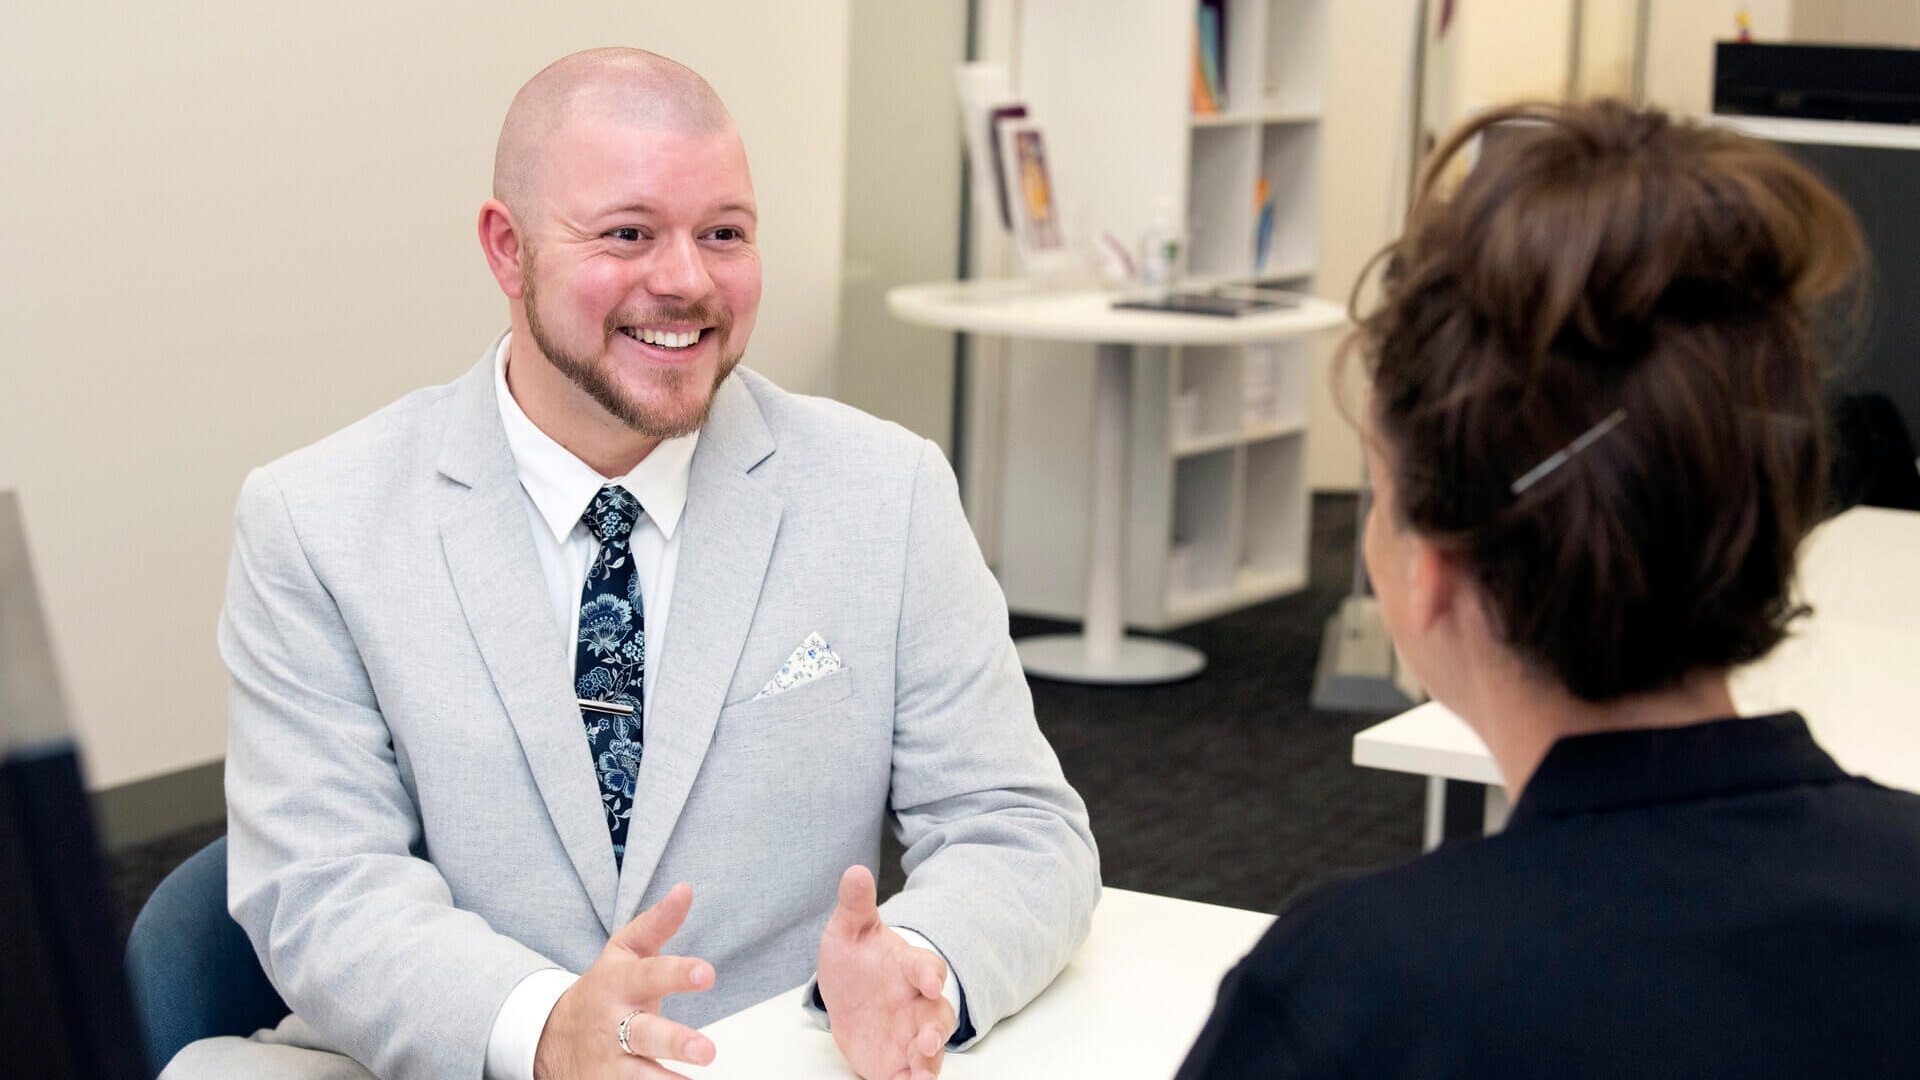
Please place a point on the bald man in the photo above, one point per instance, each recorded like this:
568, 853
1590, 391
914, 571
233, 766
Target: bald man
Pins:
569, 699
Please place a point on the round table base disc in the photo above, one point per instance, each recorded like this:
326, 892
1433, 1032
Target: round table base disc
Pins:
1141, 661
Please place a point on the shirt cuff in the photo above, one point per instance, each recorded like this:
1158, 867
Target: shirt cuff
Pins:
521, 1019
956, 997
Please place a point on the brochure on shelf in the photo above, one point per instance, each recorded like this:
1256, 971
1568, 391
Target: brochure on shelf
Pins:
1263, 224
1210, 39
998, 117
984, 93
1012, 181
1036, 211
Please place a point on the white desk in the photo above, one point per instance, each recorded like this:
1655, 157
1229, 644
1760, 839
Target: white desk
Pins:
1129, 1004
1850, 669
1102, 652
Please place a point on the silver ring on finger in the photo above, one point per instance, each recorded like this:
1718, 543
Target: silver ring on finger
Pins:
624, 1021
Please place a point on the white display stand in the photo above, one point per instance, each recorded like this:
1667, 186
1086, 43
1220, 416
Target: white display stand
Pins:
1847, 668
1101, 653
1128, 1005
1218, 482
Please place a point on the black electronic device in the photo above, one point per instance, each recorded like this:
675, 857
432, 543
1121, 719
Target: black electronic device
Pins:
1873, 162
1224, 301
1878, 346
1817, 82
65, 1013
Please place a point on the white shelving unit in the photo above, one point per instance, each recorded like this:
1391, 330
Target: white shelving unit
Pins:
1218, 504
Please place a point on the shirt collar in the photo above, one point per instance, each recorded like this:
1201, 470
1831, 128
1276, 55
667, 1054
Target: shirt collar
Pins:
1619, 769
562, 486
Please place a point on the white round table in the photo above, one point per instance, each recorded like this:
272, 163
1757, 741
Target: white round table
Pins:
1102, 653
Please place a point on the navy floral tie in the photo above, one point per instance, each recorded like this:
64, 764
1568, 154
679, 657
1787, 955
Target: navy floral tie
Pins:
610, 658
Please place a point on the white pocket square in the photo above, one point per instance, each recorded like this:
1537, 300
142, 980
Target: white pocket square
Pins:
813, 659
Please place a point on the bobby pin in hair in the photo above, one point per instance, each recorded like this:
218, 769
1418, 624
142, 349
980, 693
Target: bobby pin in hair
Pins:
1564, 454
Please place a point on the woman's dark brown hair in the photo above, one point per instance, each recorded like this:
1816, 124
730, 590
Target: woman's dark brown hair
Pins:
1600, 260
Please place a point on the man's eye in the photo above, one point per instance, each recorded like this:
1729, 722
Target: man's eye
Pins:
625, 234
727, 234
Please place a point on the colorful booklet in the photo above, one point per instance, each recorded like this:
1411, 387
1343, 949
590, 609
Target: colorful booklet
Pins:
1004, 114
1263, 226
1212, 38
1037, 214
1206, 64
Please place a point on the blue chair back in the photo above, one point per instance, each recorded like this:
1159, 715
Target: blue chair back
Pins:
192, 970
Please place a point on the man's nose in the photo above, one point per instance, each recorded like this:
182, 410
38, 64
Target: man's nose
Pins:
678, 270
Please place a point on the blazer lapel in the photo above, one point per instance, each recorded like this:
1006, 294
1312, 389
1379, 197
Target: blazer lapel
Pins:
496, 575
728, 533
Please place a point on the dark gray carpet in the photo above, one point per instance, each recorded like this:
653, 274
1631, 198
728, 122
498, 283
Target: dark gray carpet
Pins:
1226, 788
1229, 788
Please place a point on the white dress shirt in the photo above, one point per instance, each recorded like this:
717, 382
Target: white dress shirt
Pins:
559, 487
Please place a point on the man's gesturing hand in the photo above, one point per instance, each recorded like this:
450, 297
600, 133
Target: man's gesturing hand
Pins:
581, 1038
882, 994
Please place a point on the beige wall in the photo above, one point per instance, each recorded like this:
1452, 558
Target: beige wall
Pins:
1510, 49
1607, 32
1858, 22
902, 206
230, 228
1363, 178
1498, 50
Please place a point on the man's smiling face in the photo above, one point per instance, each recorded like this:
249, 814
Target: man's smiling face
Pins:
641, 275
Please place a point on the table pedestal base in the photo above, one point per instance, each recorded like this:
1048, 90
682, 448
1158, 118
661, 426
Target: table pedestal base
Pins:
1138, 662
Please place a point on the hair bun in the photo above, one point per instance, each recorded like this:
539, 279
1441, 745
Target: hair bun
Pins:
1601, 262
1581, 230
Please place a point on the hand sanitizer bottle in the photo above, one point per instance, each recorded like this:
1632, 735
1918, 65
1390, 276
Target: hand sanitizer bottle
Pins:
1160, 247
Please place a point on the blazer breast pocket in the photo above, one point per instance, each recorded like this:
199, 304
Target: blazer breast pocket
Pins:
750, 716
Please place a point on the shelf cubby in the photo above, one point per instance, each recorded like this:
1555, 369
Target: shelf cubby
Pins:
1275, 522
1290, 162
1276, 388
1202, 556
1206, 407
1220, 218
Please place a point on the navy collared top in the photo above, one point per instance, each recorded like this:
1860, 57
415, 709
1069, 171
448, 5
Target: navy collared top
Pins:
1714, 900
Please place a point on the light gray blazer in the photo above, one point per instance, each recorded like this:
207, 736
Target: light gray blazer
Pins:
414, 813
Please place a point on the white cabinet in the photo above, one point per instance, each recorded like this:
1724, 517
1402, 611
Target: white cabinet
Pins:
1218, 511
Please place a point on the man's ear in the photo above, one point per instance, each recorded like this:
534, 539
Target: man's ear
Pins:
500, 241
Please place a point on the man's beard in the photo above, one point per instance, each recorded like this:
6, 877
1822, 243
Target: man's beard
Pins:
598, 384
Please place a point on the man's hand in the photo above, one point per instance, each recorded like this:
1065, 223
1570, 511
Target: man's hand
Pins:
581, 1038
882, 994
